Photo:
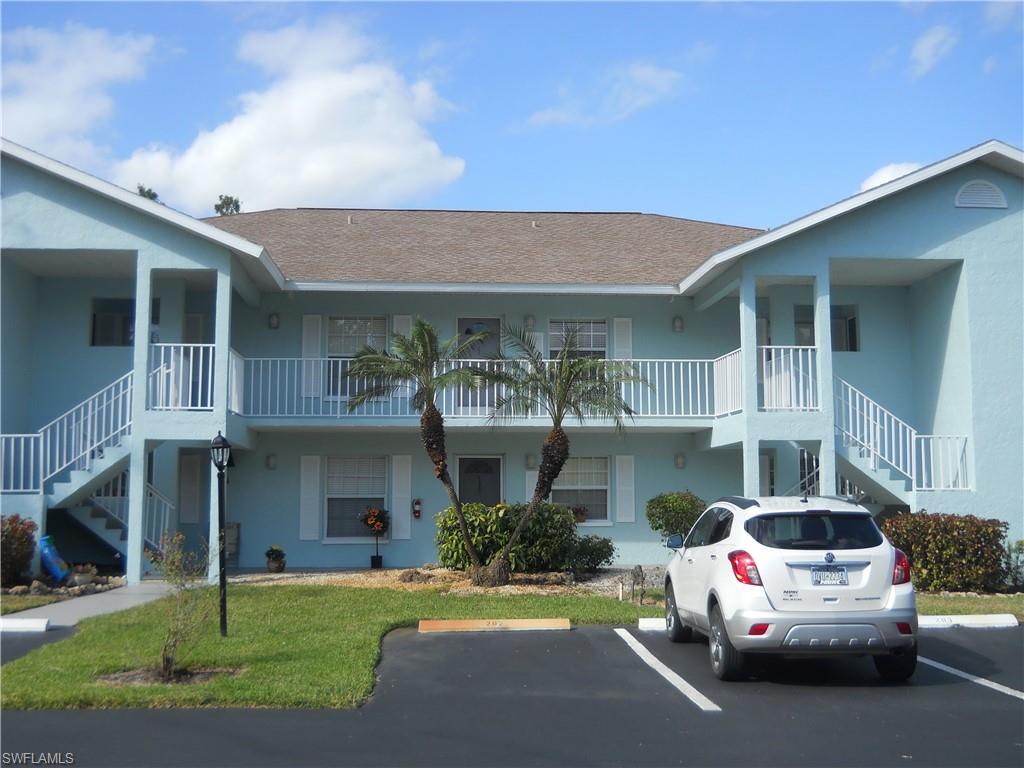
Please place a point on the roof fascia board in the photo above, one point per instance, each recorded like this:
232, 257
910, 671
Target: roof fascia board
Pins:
563, 288
160, 211
850, 204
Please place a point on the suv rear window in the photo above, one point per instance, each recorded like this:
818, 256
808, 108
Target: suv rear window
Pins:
809, 530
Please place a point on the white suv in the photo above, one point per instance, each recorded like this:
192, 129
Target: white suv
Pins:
794, 576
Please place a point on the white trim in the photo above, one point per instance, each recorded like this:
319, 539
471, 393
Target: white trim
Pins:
401, 496
160, 211
353, 540
625, 489
327, 496
534, 288
310, 497
599, 522
998, 148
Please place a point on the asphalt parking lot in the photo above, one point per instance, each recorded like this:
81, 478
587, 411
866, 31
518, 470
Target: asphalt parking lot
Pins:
586, 697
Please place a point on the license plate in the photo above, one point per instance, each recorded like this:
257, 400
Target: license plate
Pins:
829, 576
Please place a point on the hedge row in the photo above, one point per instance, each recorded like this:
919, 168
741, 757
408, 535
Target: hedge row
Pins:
549, 541
958, 553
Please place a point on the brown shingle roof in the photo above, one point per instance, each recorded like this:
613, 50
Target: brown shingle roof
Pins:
316, 244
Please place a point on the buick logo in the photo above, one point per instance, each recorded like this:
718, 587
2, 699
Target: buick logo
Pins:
829, 557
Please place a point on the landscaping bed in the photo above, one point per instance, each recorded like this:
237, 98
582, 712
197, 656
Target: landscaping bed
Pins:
304, 646
38, 593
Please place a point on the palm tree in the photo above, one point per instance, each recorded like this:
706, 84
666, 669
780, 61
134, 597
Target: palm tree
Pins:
569, 385
419, 362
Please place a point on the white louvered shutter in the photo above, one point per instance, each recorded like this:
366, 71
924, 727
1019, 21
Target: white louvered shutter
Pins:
401, 497
622, 338
625, 490
309, 498
531, 483
312, 370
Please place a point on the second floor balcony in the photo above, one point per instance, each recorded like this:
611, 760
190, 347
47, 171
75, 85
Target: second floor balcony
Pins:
320, 388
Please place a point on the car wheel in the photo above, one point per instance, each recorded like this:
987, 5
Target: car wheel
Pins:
896, 668
726, 662
675, 629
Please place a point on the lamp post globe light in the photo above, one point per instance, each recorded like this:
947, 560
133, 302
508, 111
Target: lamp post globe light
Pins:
220, 454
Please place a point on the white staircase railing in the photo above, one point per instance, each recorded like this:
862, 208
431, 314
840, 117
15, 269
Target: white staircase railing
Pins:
159, 511
941, 463
76, 437
788, 378
808, 484
885, 436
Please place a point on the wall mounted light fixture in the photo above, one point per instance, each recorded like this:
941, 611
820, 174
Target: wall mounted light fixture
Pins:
531, 461
273, 321
677, 324
680, 460
529, 321
271, 461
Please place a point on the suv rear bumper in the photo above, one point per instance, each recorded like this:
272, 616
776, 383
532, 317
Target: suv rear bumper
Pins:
824, 633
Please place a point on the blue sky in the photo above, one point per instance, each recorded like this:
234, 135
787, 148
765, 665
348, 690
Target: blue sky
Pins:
742, 113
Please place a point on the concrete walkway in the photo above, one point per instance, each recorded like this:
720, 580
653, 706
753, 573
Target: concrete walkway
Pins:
67, 613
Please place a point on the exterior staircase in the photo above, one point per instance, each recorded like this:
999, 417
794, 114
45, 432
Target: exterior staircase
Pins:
79, 462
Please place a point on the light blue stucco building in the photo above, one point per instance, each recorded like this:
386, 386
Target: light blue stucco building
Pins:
873, 348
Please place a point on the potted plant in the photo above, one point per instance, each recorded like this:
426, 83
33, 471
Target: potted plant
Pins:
377, 521
83, 574
579, 514
275, 559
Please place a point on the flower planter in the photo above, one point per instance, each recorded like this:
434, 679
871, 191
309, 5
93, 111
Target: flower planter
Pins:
275, 566
376, 561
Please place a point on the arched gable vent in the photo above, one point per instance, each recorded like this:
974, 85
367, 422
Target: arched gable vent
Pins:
980, 194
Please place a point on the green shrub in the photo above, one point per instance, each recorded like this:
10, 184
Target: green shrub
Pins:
1015, 564
590, 553
674, 512
17, 544
546, 544
958, 553
549, 542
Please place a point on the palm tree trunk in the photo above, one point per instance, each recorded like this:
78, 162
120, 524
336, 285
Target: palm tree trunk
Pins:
554, 454
432, 435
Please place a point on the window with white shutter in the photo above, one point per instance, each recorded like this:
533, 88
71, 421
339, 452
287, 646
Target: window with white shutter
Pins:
353, 484
346, 336
583, 485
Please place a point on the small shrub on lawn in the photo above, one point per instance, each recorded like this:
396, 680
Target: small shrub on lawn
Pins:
1015, 565
549, 542
591, 553
957, 553
674, 512
17, 543
189, 607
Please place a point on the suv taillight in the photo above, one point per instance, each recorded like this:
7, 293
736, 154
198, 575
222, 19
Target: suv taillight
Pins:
901, 571
745, 568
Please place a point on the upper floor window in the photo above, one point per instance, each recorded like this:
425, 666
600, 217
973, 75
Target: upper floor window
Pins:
845, 327
113, 322
353, 484
583, 485
591, 336
346, 336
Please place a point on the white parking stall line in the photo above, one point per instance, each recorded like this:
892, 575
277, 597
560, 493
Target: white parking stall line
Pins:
673, 679
974, 678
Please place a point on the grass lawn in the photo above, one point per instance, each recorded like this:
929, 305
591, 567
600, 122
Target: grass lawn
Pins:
13, 603
936, 604
299, 646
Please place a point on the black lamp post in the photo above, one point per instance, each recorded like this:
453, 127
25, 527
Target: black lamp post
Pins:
220, 453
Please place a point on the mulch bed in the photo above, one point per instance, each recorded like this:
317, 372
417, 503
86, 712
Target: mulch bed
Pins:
148, 676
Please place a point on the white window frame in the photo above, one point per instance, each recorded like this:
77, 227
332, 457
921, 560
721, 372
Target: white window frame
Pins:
368, 539
553, 350
607, 488
328, 395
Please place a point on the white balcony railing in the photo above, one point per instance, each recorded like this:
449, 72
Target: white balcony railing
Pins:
788, 378
941, 463
20, 463
180, 377
320, 387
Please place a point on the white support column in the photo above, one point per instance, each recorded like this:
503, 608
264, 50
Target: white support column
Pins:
136, 510
222, 340
137, 462
213, 541
823, 342
748, 341
751, 468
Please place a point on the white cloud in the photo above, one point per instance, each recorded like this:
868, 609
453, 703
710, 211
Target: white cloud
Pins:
930, 48
998, 15
333, 127
56, 86
887, 173
623, 90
